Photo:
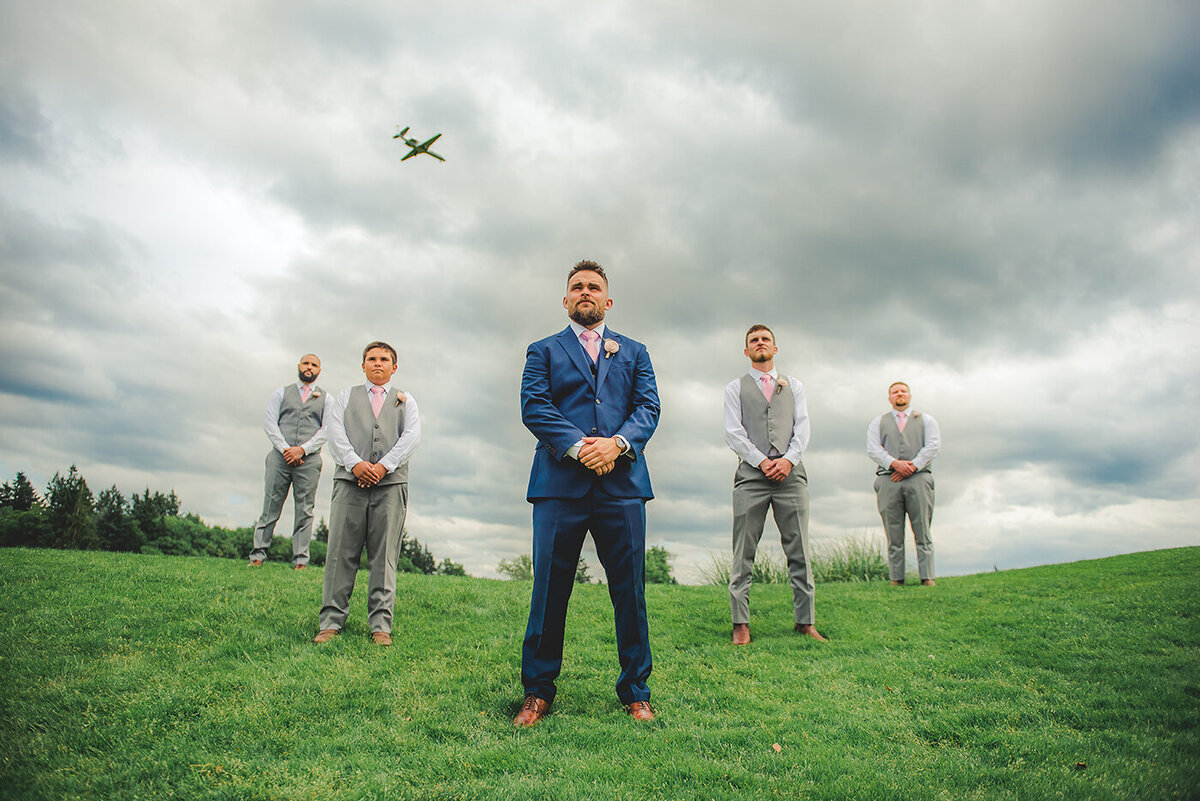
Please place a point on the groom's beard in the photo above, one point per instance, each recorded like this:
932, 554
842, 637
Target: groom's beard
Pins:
587, 316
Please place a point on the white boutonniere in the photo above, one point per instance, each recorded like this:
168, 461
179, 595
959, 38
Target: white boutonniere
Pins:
782, 385
915, 415
611, 346
316, 393
400, 398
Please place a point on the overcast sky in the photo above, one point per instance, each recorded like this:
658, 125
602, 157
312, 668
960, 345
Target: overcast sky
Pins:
997, 202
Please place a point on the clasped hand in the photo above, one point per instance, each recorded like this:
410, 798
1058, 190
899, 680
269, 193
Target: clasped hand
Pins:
293, 455
599, 454
368, 474
902, 469
776, 469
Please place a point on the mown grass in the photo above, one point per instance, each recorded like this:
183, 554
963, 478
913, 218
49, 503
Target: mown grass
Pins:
130, 677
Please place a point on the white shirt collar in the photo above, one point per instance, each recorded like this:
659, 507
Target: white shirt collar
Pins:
579, 329
757, 374
386, 387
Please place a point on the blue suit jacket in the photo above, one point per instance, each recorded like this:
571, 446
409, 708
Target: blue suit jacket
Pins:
562, 402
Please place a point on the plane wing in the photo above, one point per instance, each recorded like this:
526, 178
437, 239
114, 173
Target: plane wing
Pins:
411, 153
431, 141
431, 153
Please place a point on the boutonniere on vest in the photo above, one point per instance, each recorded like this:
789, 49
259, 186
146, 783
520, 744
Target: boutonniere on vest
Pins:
915, 415
782, 385
400, 398
611, 346
315, 394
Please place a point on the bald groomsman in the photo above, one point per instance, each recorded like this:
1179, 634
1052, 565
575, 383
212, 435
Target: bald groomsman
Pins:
903, 443
294, 424
766, 425
373, 430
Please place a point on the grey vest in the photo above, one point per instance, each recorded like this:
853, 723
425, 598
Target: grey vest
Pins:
372, 438
906, 446
298, 421
769, 426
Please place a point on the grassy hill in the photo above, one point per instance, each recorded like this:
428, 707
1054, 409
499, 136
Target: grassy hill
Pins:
167, 677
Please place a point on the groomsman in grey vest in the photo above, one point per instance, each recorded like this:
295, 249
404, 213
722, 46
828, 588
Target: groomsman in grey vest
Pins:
767, 426
294, 424
373, 430
903, 443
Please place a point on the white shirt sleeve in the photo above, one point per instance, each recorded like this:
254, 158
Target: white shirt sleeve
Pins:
875, 448
802, 429
404, 447
735, 433
335, 428
933, 443
271, 421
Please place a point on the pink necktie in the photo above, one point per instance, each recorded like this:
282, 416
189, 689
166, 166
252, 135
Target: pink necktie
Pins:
768, 386
591, 343
305, 391
376, 399
901, 421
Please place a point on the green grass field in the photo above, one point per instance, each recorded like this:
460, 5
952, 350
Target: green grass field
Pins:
166, 677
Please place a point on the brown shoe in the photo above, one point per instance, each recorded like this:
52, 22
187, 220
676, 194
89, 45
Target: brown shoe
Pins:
255, 563
381, 638
640, 710
741, 634
928, 583
899, 583
810, 630
533, 710
325, 635
299, 567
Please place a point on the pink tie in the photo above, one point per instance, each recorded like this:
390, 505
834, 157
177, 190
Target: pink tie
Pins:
304, 393
376, 399
591, 343
768, 386
901, 421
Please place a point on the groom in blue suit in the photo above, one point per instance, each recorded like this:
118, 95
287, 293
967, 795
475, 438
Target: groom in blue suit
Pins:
588, 395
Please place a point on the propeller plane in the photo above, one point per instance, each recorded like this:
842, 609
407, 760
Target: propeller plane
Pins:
417, 147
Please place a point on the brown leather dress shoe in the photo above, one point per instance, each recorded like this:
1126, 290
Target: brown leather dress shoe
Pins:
299, 567
899, 583
810, 630
381, 638
741, 634
325, 635
928, 583
640, 710
255, 563
533, 710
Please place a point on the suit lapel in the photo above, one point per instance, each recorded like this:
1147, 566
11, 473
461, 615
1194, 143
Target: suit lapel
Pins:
570, 343
604, 359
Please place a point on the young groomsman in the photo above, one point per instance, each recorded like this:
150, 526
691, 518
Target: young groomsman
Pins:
766, 425
373, 430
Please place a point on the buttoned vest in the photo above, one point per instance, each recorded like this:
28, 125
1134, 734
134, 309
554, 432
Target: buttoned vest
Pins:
373, 437
769, 426
298, 421
903, 446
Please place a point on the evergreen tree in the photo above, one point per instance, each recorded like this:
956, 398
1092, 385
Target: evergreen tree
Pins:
658, 566
20, 496
116, 529
581, 573
321, 531
418, 554
72, 510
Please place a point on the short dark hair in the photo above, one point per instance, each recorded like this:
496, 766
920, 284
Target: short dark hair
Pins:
759, 327
589, 266
382, 346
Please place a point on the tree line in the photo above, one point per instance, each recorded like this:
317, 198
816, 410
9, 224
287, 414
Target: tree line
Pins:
658, 568
69, 515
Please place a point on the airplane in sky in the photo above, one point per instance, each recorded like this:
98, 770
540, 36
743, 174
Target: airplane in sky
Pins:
417, 147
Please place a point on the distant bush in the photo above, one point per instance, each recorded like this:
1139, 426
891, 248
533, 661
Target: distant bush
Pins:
858, 557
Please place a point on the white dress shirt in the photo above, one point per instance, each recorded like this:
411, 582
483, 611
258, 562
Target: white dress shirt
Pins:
573, 451
924, 457
735, 432
271, 423
339, 444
